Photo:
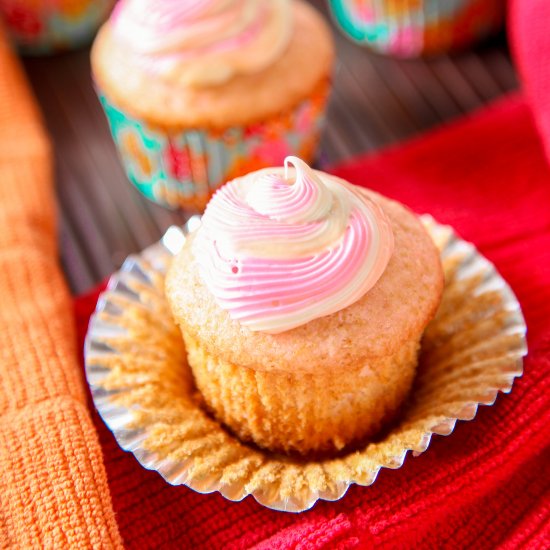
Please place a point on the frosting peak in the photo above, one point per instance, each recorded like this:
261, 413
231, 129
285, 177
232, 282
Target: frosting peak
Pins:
281, 247
203, 42
304, 200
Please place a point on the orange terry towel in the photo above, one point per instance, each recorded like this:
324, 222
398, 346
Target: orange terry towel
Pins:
53, 486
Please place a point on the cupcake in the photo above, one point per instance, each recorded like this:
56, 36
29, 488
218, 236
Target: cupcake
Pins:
198, 93
408, 28
302, 300
46, 27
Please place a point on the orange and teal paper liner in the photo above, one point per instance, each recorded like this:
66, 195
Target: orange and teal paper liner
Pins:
181, 168
407, 28
47, 26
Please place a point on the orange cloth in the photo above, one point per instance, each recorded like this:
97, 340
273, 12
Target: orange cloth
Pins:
53, 486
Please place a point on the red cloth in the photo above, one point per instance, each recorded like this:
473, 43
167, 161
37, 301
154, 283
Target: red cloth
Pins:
530, 41
486, 485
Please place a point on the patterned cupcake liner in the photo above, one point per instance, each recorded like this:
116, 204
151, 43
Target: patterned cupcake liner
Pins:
39, 27
183, 167
136, 367
408, 28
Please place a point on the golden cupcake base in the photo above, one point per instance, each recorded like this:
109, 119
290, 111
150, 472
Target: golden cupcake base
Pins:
136, 367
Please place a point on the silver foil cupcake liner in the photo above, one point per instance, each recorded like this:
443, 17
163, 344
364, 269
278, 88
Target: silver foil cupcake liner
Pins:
136, 367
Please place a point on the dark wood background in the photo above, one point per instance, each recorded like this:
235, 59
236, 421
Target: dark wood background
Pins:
376, 101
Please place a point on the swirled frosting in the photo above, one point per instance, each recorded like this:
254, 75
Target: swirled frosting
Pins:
281, 247
203, 42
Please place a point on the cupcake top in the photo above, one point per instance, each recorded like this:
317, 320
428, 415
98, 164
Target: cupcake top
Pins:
205, 42
293, 247
211, 63
283, 246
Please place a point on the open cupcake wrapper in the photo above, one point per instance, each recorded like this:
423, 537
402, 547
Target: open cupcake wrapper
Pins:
135, 365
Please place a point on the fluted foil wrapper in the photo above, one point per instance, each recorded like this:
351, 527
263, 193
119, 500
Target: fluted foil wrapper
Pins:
140, 383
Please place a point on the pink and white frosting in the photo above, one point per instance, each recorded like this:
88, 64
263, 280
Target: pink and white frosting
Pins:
283, 246
204, 42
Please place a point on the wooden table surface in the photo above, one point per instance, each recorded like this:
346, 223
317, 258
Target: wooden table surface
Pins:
376, 101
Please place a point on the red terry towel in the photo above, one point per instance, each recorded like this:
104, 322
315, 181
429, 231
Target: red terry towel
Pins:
487, 484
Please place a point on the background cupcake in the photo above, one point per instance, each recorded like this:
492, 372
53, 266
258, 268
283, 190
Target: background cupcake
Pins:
39, 26
199, 93
413, 27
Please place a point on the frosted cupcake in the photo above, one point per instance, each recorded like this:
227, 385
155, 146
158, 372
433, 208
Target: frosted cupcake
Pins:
408, 28
45, 27
302, 300
197, 93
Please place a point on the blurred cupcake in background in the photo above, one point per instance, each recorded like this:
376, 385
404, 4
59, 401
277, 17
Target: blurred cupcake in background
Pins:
47, 26
408, 28
198, 93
